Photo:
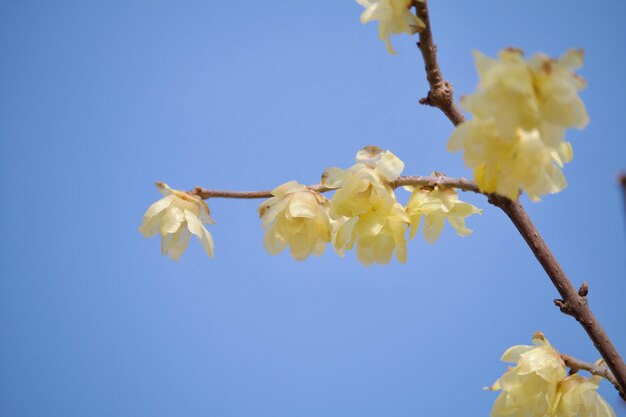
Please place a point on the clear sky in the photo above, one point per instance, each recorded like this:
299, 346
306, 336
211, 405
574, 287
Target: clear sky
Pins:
100, 99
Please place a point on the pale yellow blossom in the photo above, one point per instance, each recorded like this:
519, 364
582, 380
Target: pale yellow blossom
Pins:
506, 165
364, 187
578, 397
296, 216
394, 16
521, 110
176, 217
529, 389
364, 207
538, 94
377, 235
436, 205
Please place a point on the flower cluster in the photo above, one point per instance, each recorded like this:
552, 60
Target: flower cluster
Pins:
521, 109
365, 208
394, 16
537, 386
176, 216
363, 213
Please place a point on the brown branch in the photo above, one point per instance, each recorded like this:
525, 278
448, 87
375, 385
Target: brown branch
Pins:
576, 365
441, 93
417, 181
573, 303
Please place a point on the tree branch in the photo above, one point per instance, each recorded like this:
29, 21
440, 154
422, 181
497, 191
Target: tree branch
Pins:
418, 181
573, 303
441, 93
576, 365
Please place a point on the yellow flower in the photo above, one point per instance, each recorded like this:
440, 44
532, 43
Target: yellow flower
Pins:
376, 235
557, 88
506, 165
176, 216
521, 110
297, 217
365, 209
541, 93
529, 389
436, 205
578, 397
394, 16
365, 186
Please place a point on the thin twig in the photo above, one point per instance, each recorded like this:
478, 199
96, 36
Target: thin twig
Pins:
441, 93
573, 303
577, 365
417, 181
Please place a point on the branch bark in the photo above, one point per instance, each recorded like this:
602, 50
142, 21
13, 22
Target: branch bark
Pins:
441, 93
573, 303
418, 181
576, 365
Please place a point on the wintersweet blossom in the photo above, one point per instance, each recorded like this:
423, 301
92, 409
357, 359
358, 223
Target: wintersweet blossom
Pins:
529, 389
521, 109
364, 207
176, 217
541, 93
364, 187
394, 16
296, 216
376, 235
436, 205
506, 165
578, 397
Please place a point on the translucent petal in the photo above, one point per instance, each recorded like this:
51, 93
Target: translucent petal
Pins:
172, 220
303, 204
433, 225
333, 177
389, 166
150, 225
288, 187
196, 227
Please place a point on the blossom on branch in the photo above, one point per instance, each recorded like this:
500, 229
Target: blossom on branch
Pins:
537, 386
506, 165
578, 397
176, 217
436, 205
529, 388
394, 16
521, 109
376, 235
365, 209
296, 217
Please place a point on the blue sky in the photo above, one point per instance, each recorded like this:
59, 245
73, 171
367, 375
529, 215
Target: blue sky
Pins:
100, 99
